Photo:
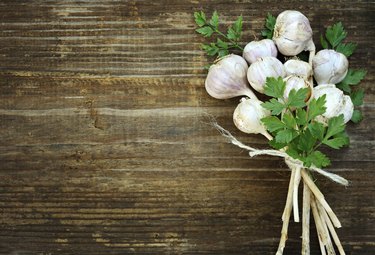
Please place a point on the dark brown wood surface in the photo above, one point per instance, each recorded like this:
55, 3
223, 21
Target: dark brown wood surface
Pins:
105, 141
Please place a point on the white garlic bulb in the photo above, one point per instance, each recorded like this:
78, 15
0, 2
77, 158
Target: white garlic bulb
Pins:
293, 33
329, 66
336, 102
296, 83
263, 68
247, 116
298, 68
259, 49
227, 78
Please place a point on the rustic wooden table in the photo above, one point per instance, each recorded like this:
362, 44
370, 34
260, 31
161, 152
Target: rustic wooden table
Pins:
105, 142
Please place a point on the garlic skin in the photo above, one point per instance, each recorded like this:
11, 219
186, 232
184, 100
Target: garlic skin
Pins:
329, 66
258, 49
293, 33
347, 109
296, 83
336, 102
298, 68
227, 78
247, 116
263, 68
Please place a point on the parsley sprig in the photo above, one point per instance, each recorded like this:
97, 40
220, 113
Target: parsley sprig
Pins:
294, 127
224, 42
269, 26
333, 39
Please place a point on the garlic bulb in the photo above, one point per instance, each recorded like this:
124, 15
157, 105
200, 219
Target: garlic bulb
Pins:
294, 82
263, 68
293, 33
247, 117
298, 68
329, 66
227, 78
259, 49
336, 102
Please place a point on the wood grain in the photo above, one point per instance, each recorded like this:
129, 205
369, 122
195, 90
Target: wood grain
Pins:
106, 146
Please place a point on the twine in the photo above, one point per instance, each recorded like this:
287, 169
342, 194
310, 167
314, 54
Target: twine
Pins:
291, 162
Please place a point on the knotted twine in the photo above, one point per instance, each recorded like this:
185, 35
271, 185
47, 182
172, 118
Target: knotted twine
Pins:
291, 162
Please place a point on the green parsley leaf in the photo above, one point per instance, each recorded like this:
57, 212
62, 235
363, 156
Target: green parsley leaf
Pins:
274, 106
289, 121
237, 26
335, 34
205, 31
276, 145
273, 123
211, 49
286, 136
317, 130
296, 98
200, 18
346, 48
324, 42
234, 31
293, 153
269, 26
357, 97
274, 87
306, 141
337, 142
357, 116
353, 77
335, 125
214, 21
317, 159
223, 52
316, 107
301, 116
222, 44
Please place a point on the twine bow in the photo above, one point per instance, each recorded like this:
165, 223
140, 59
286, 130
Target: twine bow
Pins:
291, 162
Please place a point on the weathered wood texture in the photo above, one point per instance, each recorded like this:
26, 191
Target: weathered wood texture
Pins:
105, 142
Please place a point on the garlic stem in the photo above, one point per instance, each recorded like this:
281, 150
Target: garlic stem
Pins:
320, 197
329, 245
306, 220
333, 233
296, 181
311, 56
250, 94
286, 215
319, 228
267, 135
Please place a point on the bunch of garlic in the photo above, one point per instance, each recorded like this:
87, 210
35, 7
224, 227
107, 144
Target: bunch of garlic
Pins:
233, 76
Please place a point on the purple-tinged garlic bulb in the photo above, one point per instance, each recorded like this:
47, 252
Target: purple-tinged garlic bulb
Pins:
296, 83
298, 68
263, 68
293, 33
247, 117
258, 49
329, 66
227, 78
336, 102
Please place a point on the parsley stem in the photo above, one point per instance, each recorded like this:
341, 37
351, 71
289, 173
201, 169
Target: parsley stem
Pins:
223, 35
